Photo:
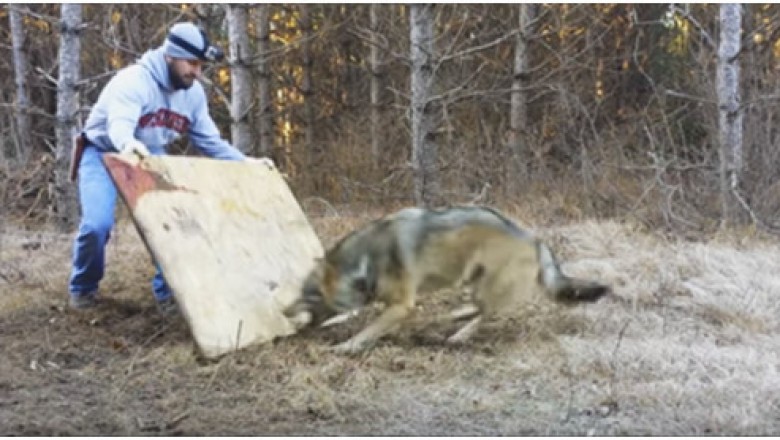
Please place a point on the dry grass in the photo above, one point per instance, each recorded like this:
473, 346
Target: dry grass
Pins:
688, 344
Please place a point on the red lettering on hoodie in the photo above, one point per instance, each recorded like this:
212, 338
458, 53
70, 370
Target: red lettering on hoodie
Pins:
165, 118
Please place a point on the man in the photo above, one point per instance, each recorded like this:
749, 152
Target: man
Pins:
143, 108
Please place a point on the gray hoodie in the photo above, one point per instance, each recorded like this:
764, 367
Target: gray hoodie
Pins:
139, 102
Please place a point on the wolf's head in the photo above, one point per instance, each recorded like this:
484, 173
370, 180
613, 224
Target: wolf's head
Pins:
330, 290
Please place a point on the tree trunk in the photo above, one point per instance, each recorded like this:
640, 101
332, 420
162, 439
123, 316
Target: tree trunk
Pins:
265, 114
65, 196
22, 140
307, 88
240, 77
518, 116
730, 114
424, 115
376, 83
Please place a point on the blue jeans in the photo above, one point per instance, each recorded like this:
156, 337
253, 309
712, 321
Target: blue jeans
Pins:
97, 196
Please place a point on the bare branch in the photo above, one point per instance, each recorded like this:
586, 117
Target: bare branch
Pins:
687, 15
682, 95
479, 48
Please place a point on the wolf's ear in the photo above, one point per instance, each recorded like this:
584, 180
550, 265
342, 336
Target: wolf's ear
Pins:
362, 282
362, 269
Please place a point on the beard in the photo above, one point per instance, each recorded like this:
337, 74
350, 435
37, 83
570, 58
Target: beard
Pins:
177, 81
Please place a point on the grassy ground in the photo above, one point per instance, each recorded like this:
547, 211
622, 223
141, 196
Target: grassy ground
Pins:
688, 344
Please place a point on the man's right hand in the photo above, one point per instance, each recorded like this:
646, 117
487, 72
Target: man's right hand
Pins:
135, 147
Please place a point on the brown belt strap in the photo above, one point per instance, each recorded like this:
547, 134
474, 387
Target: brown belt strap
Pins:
75, 156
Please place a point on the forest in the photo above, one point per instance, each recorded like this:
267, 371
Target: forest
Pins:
605, 110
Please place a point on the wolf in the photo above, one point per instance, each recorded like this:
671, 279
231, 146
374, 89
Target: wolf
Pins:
478, 250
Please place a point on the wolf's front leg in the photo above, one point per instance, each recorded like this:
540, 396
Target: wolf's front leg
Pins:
465, 333
464, 312
387, 322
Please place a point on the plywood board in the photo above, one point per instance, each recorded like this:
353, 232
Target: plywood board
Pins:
230, 237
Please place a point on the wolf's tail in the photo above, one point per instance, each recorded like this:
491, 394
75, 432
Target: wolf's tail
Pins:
562, 288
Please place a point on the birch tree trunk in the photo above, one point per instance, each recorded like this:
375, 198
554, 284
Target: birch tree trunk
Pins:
22, 141
518, 114
65, 195
424, 117
306, 82
240, 77
376, 83
264, 100
729, 112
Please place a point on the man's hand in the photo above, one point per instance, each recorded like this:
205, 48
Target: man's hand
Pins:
135, 147
262, 160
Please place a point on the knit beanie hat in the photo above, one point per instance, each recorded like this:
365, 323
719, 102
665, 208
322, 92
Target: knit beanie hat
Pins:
187, 41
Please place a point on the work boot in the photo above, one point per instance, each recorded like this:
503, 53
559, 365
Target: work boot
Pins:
82, 301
